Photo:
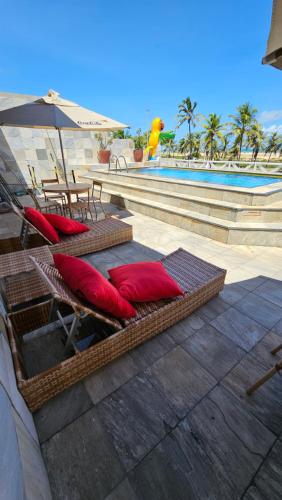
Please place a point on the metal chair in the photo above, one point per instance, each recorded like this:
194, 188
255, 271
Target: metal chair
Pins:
43, 205
82, 207
57, 196
93, 200
33, 179
97, 199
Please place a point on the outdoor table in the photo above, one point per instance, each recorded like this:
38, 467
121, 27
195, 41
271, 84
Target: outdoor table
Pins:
68, 190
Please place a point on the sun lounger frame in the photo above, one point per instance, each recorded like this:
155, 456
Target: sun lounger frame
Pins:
40, 388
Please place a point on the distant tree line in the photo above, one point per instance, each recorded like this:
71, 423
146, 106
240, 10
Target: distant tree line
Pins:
216, 140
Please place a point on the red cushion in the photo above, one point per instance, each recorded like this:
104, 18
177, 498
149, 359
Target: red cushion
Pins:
84, 279
144, 282
39, 221
65, 225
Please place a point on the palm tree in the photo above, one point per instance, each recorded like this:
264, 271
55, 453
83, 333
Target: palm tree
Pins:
184, 145
224, 144
273, 145
234, 151
196, 144
212, 135
169, 146
186, 114
192, 144
255, 137
241, 124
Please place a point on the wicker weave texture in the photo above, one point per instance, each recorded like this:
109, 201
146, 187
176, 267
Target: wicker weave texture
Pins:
24, 287
208, 281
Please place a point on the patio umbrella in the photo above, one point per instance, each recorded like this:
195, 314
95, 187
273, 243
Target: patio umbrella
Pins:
274, 45
53, 112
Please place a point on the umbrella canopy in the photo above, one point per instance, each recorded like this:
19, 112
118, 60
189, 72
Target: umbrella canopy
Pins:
274, 45
51, 111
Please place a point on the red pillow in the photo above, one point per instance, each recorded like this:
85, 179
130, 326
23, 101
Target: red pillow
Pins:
39, 221
65, 225
84, 279
144, 282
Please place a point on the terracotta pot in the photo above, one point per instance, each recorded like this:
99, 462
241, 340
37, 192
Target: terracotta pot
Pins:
104, 155
138, 154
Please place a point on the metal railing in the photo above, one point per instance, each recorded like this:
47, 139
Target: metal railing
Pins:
117, 163
261, 167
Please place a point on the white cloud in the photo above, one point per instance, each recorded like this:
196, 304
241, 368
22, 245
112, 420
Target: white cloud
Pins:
270, 116
273, 128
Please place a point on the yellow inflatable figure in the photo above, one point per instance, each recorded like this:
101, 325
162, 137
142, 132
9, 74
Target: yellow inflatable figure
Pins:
155, 135
157, 126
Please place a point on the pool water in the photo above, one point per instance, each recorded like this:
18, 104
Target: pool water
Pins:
239, 180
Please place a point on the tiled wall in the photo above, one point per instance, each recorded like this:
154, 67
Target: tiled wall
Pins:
40, 148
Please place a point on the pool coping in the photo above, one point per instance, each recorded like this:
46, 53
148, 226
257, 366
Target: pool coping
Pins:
259, 190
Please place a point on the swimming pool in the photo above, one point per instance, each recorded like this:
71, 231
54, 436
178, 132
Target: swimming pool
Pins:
239, 180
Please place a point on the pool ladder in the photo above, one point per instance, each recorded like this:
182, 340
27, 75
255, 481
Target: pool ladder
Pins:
117, 162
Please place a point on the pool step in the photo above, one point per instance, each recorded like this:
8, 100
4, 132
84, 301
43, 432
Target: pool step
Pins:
235, 233
216, 208
261, 196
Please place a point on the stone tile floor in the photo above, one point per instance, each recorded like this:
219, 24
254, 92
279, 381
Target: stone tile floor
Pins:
170, 420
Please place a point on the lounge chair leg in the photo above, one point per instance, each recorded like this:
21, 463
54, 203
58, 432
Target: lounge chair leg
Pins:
276, 349
102, 208
96, 215
72, 331
24, 235
53, 310
265, 378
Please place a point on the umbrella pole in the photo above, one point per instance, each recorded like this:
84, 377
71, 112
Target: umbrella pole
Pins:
63, 156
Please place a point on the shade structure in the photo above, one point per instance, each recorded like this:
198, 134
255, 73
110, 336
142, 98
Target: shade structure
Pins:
53, 112
274, 45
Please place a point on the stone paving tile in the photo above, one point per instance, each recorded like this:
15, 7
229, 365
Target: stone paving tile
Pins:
271, 290
185, 328
109, 378
223, 444
214, 351
212, 309
123, 491
134, 252
208, 455
278, 328
181, 380
61, 411
261, 310
153, 349
248, 280
137, 417
238, 327
267, 482
232, 293
266, 402
163, 474
81, 461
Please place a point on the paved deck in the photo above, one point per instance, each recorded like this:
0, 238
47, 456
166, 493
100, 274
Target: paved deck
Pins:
170, 420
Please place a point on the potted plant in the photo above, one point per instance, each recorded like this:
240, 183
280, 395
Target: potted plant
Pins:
138, 146
104, 152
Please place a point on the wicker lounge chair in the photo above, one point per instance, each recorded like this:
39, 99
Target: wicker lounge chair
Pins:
103, 234
200, 280
23, 284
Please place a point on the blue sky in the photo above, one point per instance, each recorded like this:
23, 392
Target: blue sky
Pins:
135, 60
